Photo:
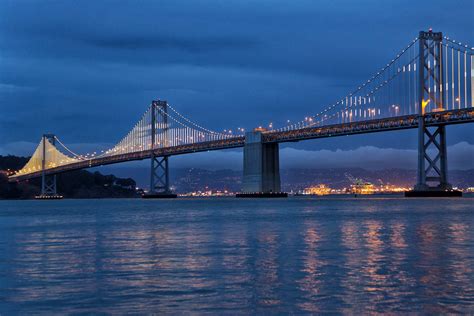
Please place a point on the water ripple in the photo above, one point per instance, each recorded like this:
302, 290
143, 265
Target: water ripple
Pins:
239, 257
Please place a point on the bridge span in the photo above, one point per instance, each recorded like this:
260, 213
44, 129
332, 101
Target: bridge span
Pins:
343, 129
428, 86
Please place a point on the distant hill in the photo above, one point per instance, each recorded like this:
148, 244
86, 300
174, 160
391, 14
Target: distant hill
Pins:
195, 179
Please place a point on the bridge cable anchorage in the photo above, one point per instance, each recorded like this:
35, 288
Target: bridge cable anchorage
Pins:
377, 75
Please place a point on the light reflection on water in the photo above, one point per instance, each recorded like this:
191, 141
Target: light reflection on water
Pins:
239, 256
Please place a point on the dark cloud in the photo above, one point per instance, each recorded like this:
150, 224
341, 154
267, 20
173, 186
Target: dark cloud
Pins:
191, 45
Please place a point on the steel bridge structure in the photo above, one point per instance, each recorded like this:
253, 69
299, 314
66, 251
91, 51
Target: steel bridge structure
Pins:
427, 86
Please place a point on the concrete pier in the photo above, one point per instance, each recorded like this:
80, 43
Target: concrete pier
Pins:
261, 168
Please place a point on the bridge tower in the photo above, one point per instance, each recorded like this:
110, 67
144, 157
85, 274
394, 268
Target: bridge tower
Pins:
48, 182
261, 167
159, 172
432, 173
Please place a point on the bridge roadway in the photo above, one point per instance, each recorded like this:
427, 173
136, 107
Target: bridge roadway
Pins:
350, 128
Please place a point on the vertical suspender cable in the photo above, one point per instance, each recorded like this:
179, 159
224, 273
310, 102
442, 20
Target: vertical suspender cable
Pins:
409, 81
446, 77
459, 80
472, 80
148, 128
465, 80
430, 68
132, 139
413, 85
398, 91
401, 95
452, 77
387, 87
140, 133
148, 132
441, 75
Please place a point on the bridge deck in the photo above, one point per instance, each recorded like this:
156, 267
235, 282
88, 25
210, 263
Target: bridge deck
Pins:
370, 126
139, 155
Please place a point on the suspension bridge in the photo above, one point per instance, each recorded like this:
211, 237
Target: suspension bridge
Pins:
428, 85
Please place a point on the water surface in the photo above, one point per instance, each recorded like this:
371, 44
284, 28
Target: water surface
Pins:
237, 256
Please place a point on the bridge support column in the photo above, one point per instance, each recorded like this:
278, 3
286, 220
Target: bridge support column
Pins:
432, 174
261, 168
48, 182
159, 179
48, 185
159, 173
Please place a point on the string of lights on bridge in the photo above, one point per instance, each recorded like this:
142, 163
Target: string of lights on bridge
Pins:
346, 112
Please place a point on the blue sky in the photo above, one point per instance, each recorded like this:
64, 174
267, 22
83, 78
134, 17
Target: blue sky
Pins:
86, 70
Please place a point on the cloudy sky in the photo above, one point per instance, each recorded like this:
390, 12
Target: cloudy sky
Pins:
87, 70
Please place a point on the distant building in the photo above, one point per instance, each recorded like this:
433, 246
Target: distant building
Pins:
362, 188
320, 189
